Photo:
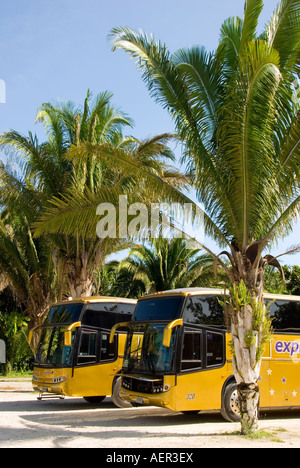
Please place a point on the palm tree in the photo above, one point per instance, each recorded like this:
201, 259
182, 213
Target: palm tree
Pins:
82, 159
26, 268
48, 173
71, 212
119, 280
164, 264
235, 112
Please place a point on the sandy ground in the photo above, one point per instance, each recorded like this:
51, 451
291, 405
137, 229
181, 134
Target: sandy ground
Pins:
26, 422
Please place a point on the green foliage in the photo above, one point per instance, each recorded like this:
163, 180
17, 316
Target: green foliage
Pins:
164, 264
233, 109
274, 282
157, 265
14, 330
240, 295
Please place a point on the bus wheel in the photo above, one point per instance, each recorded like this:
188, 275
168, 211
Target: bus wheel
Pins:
115, 396
230, 404
94, 399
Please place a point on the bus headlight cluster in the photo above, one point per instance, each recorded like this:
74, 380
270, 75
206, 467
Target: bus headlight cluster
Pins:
161, 389
158, 390
60, 379
35, 378
126, 385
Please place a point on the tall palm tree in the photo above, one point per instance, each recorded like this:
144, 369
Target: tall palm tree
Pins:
235, 112
78, 204
47, 172
82, 159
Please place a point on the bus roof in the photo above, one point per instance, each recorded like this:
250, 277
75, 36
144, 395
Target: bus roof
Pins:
94, 299
213, 291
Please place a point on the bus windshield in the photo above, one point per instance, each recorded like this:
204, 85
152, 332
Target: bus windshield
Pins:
52, 350
64, 313
145, 351
159, 308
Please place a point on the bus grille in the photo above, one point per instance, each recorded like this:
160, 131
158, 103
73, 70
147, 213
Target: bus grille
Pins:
143, 386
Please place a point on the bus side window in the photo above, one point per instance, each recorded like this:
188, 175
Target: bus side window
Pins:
191, 353
214, 349
87, 349
108, 350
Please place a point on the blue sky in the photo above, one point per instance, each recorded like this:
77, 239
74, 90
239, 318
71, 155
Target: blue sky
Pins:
52, 50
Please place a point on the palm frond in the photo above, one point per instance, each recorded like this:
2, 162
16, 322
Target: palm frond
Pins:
246, 151
283, 32
253, 8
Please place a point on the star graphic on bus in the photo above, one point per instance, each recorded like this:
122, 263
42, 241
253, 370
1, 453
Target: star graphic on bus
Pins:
283, 380
272, 392
294, 393
269, 371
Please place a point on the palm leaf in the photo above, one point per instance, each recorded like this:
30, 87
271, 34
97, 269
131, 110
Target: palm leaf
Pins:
283, 32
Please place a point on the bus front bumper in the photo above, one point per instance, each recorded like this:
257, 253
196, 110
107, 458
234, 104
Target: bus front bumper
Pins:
145, 400
161, 395
48, 382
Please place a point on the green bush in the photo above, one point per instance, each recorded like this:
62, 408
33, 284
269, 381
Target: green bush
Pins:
14, 331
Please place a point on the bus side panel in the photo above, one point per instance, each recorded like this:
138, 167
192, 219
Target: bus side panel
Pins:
284, 371
94, 380
200, 390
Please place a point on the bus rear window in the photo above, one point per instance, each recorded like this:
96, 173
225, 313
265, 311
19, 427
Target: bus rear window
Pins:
160, 308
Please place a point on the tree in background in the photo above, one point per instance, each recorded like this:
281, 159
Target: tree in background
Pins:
234, 109
164, 264
274, 282
13, 330
83, 158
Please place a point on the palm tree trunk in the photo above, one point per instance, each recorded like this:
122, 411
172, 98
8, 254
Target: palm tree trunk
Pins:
249, 329
80, 286
248, 395
246, 367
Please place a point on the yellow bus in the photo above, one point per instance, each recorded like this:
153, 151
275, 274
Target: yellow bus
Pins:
74, 356
177, 354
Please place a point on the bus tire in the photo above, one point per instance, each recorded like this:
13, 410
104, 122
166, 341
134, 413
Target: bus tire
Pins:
94, 399
230, 405
115, 396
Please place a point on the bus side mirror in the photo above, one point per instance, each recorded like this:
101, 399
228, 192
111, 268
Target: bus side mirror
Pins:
68, 333
114, 328
168, 331
68, 338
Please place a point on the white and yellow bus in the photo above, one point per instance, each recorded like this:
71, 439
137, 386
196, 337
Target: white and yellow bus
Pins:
74, 356
177, 354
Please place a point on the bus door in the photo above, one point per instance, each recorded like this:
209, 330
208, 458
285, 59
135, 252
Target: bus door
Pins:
201, 366
94, 347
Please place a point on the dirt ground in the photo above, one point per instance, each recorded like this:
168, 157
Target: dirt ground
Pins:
26, 422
